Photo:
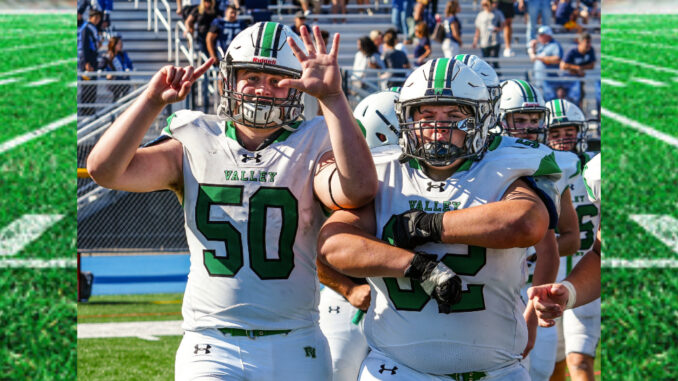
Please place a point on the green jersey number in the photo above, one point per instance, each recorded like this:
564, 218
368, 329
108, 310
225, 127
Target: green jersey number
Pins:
223, 231
415, 298
588, 210
527, 142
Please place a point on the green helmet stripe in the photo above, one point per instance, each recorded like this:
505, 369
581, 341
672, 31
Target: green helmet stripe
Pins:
529, 91
267, 39
440, 71
558, 108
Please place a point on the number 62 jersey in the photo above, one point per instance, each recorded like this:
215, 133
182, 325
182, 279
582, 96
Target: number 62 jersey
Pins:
486, 330
251, 223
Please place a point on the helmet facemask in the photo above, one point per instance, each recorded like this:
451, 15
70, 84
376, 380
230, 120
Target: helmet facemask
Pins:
576, 143
512, 128
252, 110
440, 150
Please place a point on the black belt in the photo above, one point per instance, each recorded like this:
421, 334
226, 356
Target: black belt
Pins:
468, 376
252, 333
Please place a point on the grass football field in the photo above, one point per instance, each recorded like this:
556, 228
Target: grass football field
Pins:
37, 207
640, 231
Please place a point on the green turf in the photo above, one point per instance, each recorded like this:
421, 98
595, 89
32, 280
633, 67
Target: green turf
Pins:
638, 312
117, 308
127, 359
37, 311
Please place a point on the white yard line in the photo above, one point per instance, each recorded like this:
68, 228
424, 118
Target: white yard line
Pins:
668, 139
15, 236
641, 64
38, 263
147, 330
42, 82
612, 82
6, 146
8, 80
37, 67
648, 81
663, 263
664, 228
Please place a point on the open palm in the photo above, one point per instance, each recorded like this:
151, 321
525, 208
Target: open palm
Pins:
320, 75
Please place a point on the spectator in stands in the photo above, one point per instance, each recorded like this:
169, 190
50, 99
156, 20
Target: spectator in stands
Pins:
535, 9
184, 7
394, 59
422, 51
306, 6
546, 55
222, 32
452, 42
567, 15
88, 46
116, 59
577, 60
488, 26
506, 8
399, 45
378, 38
299, 20
202, 15
400, 11
421, 13
589, 8
367, 57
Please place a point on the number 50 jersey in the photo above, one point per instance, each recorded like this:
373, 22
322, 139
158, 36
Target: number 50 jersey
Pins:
486, 330
251, 223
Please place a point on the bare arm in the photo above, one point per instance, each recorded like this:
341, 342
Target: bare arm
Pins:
355, 182
116, 162
209, 40
568, 226
548, 260
356, 294
190, 23
179, 7
346, 242
550, 60
520, 219
454, 28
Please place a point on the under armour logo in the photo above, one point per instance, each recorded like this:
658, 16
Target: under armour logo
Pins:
440, 187
384, 368
335, 310
202, 349
310, 352
246, 158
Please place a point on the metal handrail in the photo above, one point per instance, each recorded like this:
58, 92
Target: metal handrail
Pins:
93, 125
167, 22
180, 47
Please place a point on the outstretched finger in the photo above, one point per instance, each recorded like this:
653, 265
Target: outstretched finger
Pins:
301, 56
293, 83
203, 68
306, 38
319, 42
335, 46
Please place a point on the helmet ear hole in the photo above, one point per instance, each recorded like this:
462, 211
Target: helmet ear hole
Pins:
381, 137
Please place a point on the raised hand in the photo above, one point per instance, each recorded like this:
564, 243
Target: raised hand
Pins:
171, 84
320, 75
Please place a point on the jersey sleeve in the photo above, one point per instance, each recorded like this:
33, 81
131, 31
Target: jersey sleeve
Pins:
592, 179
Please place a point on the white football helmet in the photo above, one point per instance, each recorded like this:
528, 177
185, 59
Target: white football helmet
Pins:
563, 113
487, 74
377, 117
444, 81
518, 96
261, 47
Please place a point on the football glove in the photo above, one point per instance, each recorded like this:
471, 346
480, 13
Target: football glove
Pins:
415, 227
437, 280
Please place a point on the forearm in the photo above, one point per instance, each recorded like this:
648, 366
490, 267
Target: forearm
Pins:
498, 225
358, 254
210, 44
113, 153
334, 279
551, 60
546, 267
568, 243
356, 177
585, 277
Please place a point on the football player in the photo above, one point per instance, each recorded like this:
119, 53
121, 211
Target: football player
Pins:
522, 114
582, 285
248, 186
345, 299
580, 333
441, 243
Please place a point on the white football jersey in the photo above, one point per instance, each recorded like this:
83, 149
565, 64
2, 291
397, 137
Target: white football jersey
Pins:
486, 330
251, 223
589, 219
592, 179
